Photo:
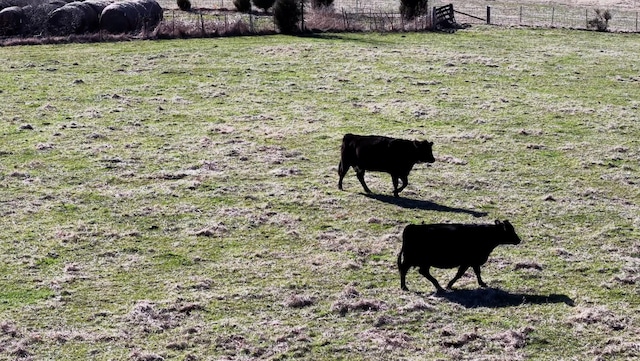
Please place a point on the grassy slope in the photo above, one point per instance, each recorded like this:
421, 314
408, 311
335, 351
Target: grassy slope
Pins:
178, 198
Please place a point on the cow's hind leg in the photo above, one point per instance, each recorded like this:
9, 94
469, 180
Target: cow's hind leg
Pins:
403, 268
360, 175
476, 269
461, 271
425, 272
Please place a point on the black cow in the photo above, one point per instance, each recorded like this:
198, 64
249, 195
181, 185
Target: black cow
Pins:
449, 246
382, 154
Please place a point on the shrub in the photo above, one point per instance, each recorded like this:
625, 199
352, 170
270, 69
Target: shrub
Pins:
601, 21
263, 4
243, 6
410, 9
321, 4
287, 14
184, 5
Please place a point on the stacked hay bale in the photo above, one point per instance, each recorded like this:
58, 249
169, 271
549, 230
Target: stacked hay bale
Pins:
37, 15
26, 16
10, 3
73, 18
154, 13
12, 16
46, 7
12, 20
99, 5
77, 17
130, 15
64, 17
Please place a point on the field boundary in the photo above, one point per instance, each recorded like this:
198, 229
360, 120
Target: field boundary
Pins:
221, 19
625, 19
383, 20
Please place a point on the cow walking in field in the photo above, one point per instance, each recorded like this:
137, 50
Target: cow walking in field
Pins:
382, 154
451, 245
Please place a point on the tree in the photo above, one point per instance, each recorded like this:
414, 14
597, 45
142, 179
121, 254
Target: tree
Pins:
287, 15
184, 5
243, 6
601, 21
411, 9
321, 4
263, 4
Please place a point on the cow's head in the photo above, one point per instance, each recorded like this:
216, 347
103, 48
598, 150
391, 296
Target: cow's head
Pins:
425, 151
509, 233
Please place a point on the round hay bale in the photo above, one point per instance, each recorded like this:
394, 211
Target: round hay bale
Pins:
11, 20
73, 18
91, 19
140, 9
48, 7
153, 13
59, 3
122, 17
98, 5
11, 3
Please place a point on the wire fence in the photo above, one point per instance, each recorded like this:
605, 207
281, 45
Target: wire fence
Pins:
219, 18
625, 20
348, 5
379, 12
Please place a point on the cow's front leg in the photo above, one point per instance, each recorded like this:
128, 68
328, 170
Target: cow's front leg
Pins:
360, 175
461, 271
405, 182
476, 269
396, 189
394, 180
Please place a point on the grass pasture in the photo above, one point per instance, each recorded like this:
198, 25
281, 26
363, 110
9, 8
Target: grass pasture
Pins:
177, 200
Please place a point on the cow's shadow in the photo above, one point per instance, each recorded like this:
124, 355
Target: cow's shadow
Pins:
422, 204
497, 298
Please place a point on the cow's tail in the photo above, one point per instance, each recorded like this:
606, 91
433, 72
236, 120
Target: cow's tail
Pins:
403, 267
344, 165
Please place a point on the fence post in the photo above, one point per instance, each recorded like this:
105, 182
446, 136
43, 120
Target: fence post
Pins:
553, 13
344, 19
636, 22
373, 18
586, 18
302, 15
488, 15
520, 15
433, 17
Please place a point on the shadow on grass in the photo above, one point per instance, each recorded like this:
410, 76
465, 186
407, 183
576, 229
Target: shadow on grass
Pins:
496, 298
345, 36
423, 205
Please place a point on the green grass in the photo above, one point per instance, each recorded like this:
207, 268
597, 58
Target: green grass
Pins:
178, 199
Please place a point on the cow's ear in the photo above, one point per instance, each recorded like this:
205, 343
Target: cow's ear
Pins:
430, 144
